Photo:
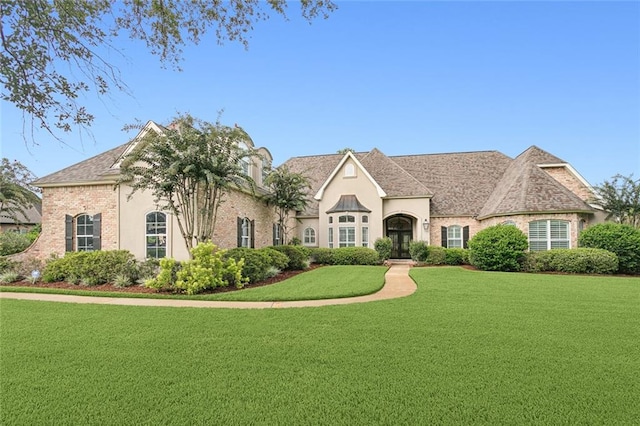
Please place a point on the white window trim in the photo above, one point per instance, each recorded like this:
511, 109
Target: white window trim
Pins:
454, 239
548, 240
347, 242
84, 235
309, 240
165, 235
246, 238
365, 231
330, 241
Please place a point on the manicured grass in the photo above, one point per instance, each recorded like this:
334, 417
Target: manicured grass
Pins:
467, 347
328, 282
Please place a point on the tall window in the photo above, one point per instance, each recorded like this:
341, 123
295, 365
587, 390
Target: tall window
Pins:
156, 235
330, 237
365, 236
84, 233
549, 234
309, 237
246, 232
347, 236
454, 236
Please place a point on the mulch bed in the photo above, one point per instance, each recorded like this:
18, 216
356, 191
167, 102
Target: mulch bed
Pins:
142, 289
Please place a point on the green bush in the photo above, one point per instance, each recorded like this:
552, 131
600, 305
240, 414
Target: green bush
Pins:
298, 256
355, 256
498, 248
6, 264
13, 242
436, 256
322, 255
623, 240
34, 233
383, 246
419, 251
9, 277
256, 262
572, 261
277, 259
93, 267
456, 256
167, 275
208, 269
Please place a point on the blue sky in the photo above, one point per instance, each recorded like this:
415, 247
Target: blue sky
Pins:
407, 78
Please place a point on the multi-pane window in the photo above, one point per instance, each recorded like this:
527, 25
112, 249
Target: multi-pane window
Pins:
156, 235
454, 236
330, 237
309, 237
330, 219
365, 236
549, 234
347, 219
365, 219
347, 236
246, 232
84, 233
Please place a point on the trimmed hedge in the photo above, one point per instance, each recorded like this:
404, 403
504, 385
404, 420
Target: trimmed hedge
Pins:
572, 261
456, 256
258, 262
298, 256
498, 248
91, 267
383, 246
355, 256
623, 240
436, 256
419, 251
322, 255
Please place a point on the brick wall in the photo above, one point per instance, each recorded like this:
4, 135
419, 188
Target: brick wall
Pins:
567, 179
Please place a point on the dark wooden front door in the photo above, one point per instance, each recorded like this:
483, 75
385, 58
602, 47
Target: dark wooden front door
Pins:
400, 244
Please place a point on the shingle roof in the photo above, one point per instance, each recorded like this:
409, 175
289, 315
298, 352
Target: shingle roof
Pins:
526, 188
393, 179
33, 215
540, 156
87, 171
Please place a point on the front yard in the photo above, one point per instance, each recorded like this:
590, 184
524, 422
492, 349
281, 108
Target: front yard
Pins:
467, 347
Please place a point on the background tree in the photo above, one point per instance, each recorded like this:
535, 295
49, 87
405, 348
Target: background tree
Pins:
189, 168
52, 51
287, 193
621, 198
17, 195
343, 151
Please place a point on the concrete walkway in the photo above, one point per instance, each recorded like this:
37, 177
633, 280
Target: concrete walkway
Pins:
397, 284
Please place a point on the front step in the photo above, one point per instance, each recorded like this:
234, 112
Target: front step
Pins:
400, 262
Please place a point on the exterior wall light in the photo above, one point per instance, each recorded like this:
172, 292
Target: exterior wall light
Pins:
425, 225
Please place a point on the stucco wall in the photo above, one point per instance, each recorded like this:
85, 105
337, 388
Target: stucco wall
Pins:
304, 223
416, 207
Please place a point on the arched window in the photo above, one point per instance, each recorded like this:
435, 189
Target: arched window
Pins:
509, 222
84, 233
309, 237
156, 235
349, 170
549, 234
246, 232
454, 236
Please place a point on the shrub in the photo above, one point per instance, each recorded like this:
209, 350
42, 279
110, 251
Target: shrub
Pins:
95, 267
13, 242
355, 256
456, 256
623, 240
207, 270
256, 262
147, 269
6, 264
322, 255
418, 250
166, 277
34, 233
436, 256
498, 248
572, 261
272, 272
9, 277
383, 246
298, 256
122, 281
295, 241
277, 259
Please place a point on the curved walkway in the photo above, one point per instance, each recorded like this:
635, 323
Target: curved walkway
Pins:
397, 283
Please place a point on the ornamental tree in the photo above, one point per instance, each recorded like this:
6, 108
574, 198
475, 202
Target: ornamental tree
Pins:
287, 194
189, 167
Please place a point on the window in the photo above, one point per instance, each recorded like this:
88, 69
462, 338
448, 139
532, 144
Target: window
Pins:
309, 237
156, 235
277, 233
246, 232
549, 234
84, 233
347, 219
454, 236
349, 170
365, 219
330, 219
365, 236
509, 222
347, 236
330, 237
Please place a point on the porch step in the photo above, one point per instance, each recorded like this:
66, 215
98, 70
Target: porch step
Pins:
400, 262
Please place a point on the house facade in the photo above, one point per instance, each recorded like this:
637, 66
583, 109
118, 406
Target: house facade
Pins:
355, 198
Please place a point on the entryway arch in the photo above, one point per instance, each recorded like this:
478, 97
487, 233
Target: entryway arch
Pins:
400, 228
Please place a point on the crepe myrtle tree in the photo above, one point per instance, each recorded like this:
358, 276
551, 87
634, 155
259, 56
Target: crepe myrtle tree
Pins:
620, 196
17, 195
53, 52
287, 194
189, 167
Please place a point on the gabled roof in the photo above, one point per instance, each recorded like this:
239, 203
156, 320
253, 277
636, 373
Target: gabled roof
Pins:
32, 215
349, 155
539, 156
95, 169
526, 188
394, 180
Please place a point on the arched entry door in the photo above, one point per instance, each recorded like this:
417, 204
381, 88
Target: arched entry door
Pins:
400, 230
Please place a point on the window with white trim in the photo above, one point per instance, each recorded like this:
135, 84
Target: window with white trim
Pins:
246, 232
549, 234
365, 219
346, 219
309, 237
330, 237
349, 170
84, 233
454, 236
365, 236
156, 235
347, 236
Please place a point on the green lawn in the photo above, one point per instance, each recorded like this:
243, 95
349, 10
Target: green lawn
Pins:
467, 347
328, 282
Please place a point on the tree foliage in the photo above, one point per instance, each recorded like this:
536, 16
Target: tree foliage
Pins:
621, 198
53, 51
189, 167
287, 193
17, 194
